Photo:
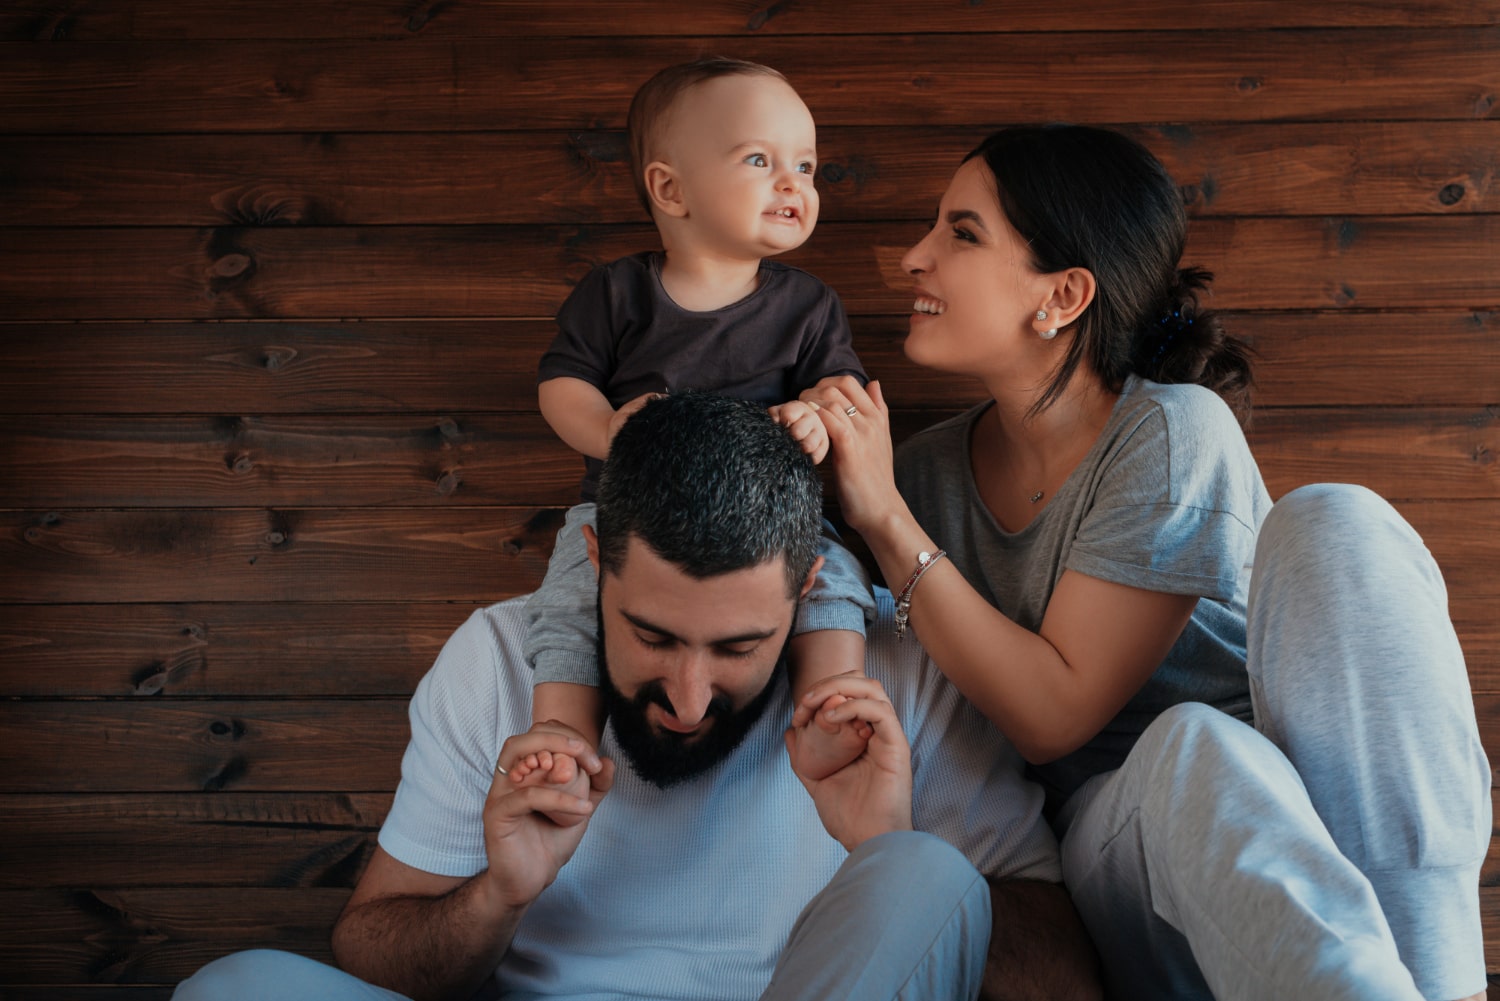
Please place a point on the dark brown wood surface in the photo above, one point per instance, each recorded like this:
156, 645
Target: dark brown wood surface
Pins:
468, 84
44, 20
581, 176
274, 282
527, 271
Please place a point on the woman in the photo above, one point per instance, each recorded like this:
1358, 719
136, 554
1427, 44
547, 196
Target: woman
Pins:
1101, 515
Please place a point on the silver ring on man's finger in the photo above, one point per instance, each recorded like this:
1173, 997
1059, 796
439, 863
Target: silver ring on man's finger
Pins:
500, 769
850, 410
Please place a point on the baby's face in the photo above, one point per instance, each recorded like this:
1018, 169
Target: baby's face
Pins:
744, 149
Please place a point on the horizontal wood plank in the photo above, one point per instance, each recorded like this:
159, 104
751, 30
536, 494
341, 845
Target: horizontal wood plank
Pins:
312, 649
247, 746
481, 366
582, 176
161, 936
443, 459
270, 368
465, 459
83, 562
412, 554
1388, 74
153, 936
520, 272
1402, 455
310, 745
305, 649
48, 20
185, 555
170, 839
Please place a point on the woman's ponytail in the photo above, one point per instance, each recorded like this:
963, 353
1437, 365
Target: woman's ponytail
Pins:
1186, 343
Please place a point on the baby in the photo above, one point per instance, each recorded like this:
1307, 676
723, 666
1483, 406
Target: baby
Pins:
724, 154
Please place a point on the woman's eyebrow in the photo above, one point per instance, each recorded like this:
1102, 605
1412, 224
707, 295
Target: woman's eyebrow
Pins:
966, 215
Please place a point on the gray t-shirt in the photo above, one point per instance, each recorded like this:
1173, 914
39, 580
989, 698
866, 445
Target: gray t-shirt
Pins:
1168, 499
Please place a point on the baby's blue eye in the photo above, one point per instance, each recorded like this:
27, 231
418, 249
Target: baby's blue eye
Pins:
757, 160
806, 167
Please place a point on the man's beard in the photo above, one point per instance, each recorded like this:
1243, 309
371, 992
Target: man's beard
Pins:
662, 757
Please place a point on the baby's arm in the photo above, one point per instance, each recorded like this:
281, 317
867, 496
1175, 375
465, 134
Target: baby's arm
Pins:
824, 746
830, 639
582, 416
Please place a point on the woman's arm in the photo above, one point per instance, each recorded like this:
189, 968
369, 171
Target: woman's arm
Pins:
1049, 691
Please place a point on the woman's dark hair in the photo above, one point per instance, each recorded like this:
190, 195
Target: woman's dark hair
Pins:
1085, 197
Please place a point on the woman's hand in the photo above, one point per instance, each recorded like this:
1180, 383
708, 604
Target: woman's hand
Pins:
859, 435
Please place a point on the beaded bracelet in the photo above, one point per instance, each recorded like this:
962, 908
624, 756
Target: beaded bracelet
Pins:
925, 561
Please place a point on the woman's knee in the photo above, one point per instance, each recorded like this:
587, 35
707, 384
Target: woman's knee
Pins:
1192, 749
1336, 529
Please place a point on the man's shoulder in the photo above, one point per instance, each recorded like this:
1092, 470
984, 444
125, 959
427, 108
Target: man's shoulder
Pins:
484, 648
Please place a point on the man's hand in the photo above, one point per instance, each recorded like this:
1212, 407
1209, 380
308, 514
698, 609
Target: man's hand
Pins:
530, 832
871, 794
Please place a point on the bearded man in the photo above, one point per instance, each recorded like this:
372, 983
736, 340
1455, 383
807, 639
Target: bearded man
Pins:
688, 858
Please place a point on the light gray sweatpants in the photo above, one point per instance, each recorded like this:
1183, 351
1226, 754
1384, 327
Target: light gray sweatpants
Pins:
906, 918
1333, 850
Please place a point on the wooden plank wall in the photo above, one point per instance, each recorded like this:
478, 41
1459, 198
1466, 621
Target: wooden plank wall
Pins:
274, 278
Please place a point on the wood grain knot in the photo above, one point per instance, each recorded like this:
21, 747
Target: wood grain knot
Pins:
231, 265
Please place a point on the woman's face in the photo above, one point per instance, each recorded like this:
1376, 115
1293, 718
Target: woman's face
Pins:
976, 292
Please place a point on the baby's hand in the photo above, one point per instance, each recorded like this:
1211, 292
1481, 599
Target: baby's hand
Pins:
624, 413
801, 419
820, 746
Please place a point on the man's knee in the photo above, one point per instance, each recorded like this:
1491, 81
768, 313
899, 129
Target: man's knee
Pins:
252, 974
905, 852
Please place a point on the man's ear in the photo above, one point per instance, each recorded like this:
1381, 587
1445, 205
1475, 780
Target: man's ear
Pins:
591, 539
812, 576
664, 189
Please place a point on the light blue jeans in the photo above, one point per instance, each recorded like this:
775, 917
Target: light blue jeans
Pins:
905, 917
1332, 850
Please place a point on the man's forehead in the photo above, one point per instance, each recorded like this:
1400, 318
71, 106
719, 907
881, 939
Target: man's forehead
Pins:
648, 586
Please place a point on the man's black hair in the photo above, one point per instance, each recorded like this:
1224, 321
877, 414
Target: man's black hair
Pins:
711, 485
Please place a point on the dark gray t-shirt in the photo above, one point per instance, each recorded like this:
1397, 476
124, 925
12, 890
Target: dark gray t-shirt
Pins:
622, 333
1168, 499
